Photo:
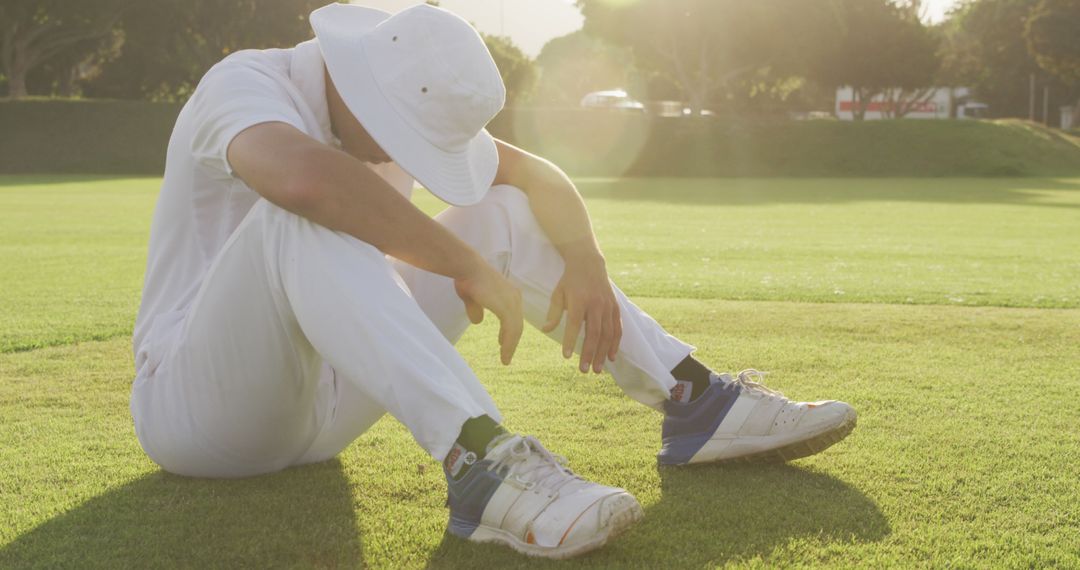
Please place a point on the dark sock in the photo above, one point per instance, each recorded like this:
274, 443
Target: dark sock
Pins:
691, 375
471, 444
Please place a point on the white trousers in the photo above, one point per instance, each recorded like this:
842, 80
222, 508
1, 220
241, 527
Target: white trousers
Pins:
301, 338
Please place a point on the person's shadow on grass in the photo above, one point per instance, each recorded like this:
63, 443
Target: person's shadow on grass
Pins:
296, 518
710, 515
306, 518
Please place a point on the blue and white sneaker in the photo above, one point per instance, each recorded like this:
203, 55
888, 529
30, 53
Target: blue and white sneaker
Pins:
739, 419
524, 497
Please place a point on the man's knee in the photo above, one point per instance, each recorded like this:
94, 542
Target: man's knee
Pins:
511, 200
506, 205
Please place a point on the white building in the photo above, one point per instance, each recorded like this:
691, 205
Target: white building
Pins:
939, 103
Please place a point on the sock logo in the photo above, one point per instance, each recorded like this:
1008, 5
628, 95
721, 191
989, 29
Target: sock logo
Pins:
454, 460
681, 391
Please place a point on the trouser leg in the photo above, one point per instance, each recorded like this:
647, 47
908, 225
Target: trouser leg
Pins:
238, 392
503, 229
345, 411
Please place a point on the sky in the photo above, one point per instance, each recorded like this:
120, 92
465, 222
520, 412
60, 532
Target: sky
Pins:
936, 9
531, 23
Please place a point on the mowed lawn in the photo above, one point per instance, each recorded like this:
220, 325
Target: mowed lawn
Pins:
947, 311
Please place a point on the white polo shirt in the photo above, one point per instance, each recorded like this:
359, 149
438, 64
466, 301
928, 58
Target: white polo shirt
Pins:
201, 200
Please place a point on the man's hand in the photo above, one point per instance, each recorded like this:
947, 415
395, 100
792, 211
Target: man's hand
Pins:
584, 292
487, 289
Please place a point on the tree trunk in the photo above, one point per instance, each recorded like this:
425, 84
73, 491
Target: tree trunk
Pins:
18, 61
16, 83
65, 86
890, 106
906, 101
858, 106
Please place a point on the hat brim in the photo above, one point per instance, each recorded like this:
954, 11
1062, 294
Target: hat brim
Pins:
458, 178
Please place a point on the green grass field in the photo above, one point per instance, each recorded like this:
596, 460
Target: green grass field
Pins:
947, 311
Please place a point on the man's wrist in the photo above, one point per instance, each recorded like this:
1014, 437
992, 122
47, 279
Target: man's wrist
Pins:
584, 253
471, 266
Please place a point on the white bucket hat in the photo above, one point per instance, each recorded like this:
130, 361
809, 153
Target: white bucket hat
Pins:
423, 85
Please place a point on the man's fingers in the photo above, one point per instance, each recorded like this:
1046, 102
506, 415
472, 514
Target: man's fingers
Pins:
570, 333
603, 348
475, 311
509, 336
616, 337
510, 329
593, 329
555, 311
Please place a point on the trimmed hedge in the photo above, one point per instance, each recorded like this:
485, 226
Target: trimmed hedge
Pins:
130, 137
607, 144
84, 136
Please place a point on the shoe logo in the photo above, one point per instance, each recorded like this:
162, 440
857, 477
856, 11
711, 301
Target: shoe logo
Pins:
455, 460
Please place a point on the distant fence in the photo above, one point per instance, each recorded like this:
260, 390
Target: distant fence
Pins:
127, 137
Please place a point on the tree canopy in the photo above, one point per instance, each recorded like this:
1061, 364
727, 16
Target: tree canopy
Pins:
876, 47
169, 44
987, 49
702, 46
37, 32
577, 63
517, 70
721, 52
1053, 37
731, 56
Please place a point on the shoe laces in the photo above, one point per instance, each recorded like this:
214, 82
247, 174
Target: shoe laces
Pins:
750, 380
526, 463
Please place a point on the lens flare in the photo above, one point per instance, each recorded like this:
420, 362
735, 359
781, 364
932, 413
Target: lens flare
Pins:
588, 142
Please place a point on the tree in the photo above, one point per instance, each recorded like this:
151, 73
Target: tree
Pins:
914, 64
517, 70
1053, 39
170, 44
703, 46
63, 74
877, 48
985, 48
33, 32
576, 64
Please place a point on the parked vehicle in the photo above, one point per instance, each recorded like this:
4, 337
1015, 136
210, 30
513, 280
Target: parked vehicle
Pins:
612, 99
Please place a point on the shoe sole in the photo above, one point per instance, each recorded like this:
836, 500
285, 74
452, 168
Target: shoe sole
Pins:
619, 521
793, 451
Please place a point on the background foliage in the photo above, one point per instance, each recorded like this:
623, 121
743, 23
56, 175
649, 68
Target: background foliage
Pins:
767, 57
129, 137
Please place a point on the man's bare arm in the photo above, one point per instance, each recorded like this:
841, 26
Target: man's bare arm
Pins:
335, 190
584, 291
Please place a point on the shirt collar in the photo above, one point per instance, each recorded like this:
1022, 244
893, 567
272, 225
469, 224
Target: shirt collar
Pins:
306, 72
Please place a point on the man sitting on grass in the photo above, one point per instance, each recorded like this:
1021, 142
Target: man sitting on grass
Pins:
274, 330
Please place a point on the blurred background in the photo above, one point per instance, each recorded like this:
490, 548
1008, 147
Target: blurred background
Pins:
606, 87
876, 200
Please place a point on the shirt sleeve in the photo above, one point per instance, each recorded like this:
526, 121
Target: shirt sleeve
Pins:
230, 99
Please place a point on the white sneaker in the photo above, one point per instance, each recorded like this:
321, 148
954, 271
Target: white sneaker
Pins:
524, 497
739, 419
